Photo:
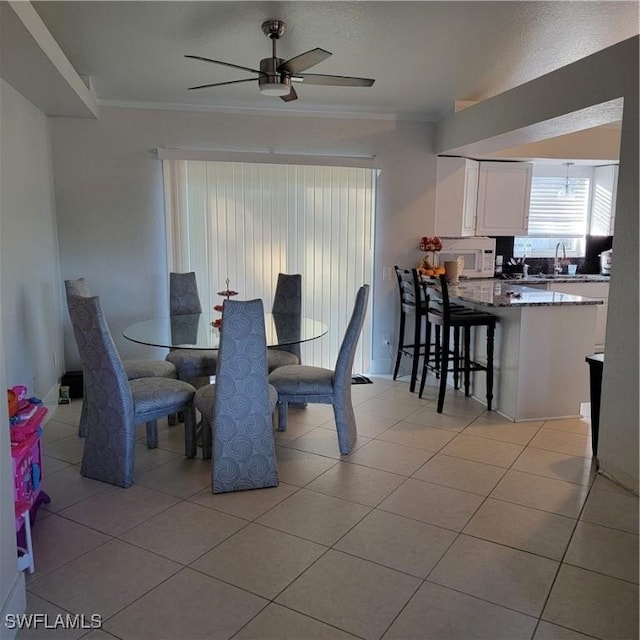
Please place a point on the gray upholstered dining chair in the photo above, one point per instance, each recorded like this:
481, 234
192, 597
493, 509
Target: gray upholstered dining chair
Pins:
287, 311
300, 383
238, 408
116, 405
136, 368
184, 298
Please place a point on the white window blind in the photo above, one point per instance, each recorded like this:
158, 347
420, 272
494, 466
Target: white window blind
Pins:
554, 212
601, 205
250, 221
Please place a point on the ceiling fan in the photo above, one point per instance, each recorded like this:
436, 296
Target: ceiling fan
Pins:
276, 75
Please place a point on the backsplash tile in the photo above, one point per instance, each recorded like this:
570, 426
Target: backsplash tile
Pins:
589, 264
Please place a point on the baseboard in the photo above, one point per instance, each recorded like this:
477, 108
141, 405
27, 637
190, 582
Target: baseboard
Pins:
625, 483
16, 602
50, 401
379, 367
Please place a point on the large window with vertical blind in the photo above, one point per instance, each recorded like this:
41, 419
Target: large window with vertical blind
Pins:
247, 222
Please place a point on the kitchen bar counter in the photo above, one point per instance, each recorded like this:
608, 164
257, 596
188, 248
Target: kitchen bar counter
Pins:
542, 338
505, 293
539, 278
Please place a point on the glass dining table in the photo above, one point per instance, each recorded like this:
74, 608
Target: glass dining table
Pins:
195, 331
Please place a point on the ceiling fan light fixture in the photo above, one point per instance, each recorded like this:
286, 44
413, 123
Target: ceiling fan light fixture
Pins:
275, 86
272, 83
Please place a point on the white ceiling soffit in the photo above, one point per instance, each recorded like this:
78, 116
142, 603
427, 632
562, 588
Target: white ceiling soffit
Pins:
423, 55
34, 65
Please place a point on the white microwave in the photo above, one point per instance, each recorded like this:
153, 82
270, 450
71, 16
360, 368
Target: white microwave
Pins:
479, 255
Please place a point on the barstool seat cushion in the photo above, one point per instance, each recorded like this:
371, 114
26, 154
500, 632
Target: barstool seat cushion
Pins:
205, 399
149, 369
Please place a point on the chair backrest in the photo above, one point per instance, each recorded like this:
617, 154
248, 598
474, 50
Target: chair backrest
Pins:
439, 299
108, 450
244, 450
288, 296
77, 287
287, 307
409, 288
183, 294
346, 355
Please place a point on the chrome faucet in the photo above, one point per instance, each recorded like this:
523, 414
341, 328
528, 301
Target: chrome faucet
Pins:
557, 267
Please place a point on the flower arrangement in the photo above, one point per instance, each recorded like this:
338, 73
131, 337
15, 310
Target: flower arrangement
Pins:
227, 293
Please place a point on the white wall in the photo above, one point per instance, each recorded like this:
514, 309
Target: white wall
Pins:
111, 210
30, 311
31, 305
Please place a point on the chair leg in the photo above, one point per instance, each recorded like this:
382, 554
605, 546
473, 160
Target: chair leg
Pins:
444, 365
190, 447
417, 341
467, 360
456, 357
345, 425
152, 434
436, 351
207, 438
425, 363
400, 345
282, 415
490, 340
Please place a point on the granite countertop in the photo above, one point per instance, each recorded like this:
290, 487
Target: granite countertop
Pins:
543, 278
505, 293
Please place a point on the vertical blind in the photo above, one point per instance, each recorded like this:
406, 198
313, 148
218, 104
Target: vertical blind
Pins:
247, 222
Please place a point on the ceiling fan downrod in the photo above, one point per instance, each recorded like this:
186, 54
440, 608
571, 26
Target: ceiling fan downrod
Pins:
272, 82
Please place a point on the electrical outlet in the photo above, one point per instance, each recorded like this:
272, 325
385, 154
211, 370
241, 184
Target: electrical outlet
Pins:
386, 273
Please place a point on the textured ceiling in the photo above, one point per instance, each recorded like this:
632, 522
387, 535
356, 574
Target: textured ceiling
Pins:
423, 55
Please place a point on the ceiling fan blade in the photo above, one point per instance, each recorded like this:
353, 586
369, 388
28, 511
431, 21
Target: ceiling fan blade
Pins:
219, 84
304, 61
226, 64
292, 95
334, 81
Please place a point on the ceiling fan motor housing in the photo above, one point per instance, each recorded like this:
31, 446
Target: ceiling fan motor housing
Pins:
273, 83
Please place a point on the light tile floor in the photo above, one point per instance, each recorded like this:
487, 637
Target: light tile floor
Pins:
454, 526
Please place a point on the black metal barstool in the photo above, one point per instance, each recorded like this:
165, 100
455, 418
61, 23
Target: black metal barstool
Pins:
413, 304
440, 314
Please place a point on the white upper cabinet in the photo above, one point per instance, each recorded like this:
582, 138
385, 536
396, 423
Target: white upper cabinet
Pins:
456, 193
603, 200
482, 198
504, 190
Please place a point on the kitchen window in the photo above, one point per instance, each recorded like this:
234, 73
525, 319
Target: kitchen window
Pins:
558, 212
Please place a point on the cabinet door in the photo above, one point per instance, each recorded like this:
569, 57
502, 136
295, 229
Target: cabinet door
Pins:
456, 188
469, 210
504, 190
